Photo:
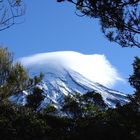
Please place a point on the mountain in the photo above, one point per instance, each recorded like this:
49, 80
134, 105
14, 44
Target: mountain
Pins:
55, 87
62, 80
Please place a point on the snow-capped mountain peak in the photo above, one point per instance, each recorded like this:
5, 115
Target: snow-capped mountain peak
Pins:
94, 67
68, 73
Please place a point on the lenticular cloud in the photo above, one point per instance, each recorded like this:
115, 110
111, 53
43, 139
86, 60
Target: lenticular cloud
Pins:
95, 67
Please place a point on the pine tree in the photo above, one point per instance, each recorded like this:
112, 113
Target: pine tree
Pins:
135, 79
13, 76
34, 99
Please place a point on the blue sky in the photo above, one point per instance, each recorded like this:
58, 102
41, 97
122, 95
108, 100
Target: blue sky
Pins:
50, 26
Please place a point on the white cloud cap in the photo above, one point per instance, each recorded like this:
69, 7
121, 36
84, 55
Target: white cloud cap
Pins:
95, 67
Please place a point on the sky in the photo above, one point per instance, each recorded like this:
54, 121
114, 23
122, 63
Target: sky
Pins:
50, 26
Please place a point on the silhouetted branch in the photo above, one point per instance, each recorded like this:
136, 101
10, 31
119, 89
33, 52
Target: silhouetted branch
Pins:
10, 11
120, 19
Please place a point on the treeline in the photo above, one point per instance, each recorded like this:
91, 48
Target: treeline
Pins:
82, 117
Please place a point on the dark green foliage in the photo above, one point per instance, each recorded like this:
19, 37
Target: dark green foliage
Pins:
135, 80
119, 19
13, 77
50, 109
79, 106
34, 99
96, 99
6, 60
72, 106
20, 123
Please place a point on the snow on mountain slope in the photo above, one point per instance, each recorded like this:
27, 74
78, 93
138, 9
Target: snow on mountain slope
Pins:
69, 73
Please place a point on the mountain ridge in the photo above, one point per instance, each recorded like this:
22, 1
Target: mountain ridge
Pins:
67, 73
55, 87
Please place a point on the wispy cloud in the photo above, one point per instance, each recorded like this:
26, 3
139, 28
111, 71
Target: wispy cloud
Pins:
95, 67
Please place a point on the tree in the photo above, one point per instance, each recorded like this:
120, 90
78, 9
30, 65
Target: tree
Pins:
96, 99
6, 60
13, 76
83, 106
119, 19
72, 106
34, 99
135, 79
10, 10
49, 110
